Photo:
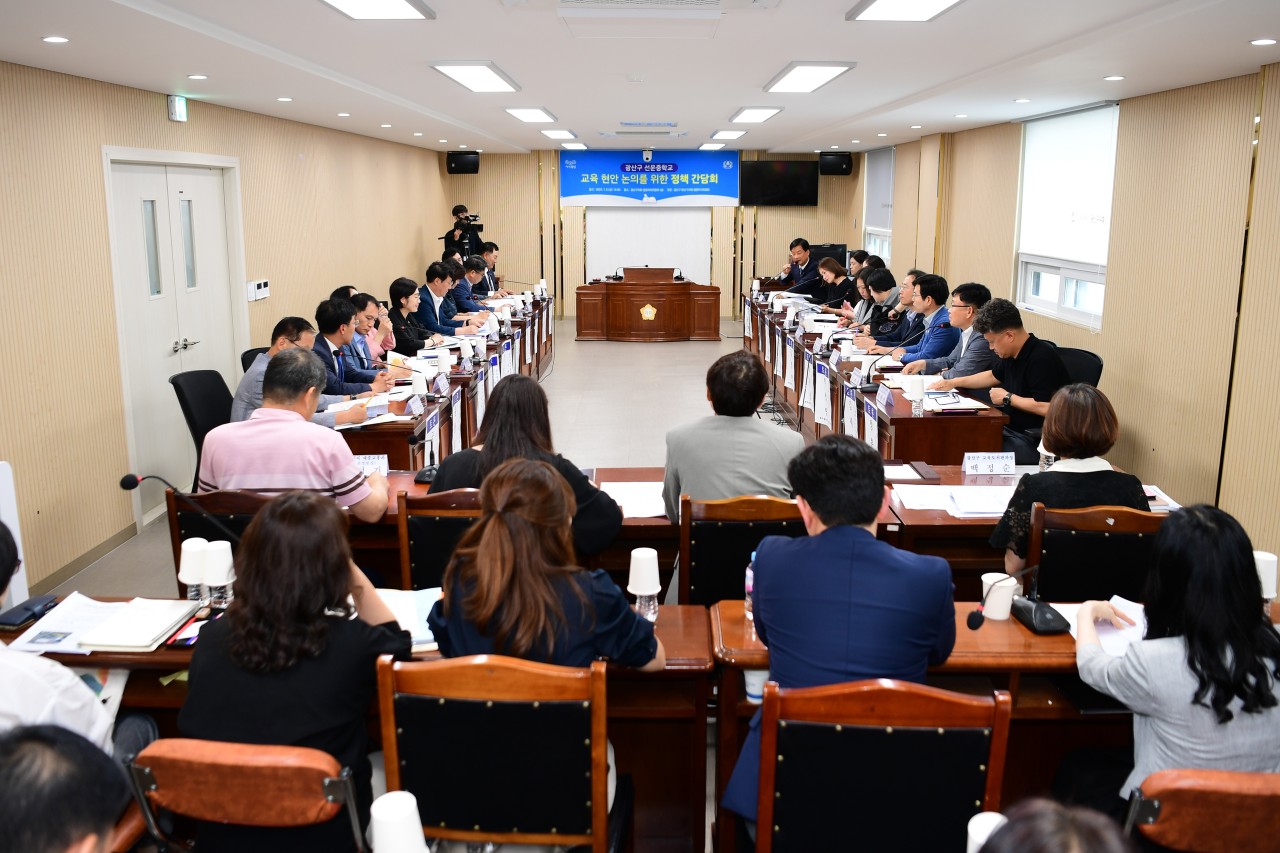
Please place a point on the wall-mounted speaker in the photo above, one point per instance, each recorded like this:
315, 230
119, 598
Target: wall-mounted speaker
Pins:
462, 162
835, 163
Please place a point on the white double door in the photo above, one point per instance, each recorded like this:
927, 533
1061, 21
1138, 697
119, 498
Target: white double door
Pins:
174, 296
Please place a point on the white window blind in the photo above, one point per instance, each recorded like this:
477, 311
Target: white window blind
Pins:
879, 212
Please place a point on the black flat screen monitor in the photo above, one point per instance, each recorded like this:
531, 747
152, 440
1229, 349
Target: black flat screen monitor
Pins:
779, 183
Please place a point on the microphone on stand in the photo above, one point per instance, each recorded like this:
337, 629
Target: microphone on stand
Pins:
975, 618
870, 387
429, 471
129, 482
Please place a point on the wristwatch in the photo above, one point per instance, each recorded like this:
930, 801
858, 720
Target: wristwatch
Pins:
1008, 401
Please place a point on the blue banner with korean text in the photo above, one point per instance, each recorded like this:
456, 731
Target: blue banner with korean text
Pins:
668, 179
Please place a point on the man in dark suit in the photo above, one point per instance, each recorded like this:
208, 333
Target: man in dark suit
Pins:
336, 320
802, 272
840, 605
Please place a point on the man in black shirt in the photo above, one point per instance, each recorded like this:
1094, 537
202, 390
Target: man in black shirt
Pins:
462, 238
1029, 372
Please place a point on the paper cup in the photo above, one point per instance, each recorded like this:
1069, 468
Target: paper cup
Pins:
754, 680
191, 562
465, 349
1266, 563
913, 387
395, 826
981, 827
218, 564
997, 590
755, 285
846, 349
419, 383
644, 572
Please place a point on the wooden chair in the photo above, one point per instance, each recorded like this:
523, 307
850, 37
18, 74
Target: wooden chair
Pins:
877, 765
1208, 811
717, 538
1090, 553
242, 784
232, 508
430, 528
501, 749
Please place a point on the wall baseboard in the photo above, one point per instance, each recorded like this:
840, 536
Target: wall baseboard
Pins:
83, 562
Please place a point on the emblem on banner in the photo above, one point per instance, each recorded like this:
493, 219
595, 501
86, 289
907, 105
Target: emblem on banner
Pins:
648, 312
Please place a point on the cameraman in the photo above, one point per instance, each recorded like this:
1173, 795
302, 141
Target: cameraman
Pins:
462, 238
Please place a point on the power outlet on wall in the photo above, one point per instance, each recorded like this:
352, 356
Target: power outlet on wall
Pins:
260, 289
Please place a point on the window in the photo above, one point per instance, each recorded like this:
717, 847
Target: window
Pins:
1065, 222
878, 215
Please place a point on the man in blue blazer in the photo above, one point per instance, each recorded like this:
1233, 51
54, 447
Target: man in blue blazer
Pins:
938, 336
433, 314
840, 605
336, 320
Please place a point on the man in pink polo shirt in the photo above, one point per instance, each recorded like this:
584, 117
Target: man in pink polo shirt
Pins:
278, 449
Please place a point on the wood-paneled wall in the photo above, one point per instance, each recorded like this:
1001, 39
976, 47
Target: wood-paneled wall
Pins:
320, 208
906, 206
506, 194
1251, 462
981, 209
933, 151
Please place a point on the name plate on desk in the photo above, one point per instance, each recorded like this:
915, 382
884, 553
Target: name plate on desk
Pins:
871, 424
855, 377
441, 384
455, 421
988, 463
414, 405
884, 396
432, 435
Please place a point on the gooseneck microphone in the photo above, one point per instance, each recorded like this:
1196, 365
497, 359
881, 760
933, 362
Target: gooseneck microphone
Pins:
129, 482
869, 387
975, 618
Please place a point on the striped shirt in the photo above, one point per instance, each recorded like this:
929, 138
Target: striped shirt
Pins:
276, 451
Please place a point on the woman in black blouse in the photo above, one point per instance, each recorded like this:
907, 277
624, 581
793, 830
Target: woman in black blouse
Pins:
410, 335
516, 425
293, 662
1080, 426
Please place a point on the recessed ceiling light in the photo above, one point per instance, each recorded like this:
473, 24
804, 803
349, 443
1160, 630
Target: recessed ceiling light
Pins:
442, 141
898, 10
835, 146
477, 76
559, 134
532, 114
882, 134
962, 115
384, 125
462, 146
711, 146
55, 40
1022, 100
344, 115
284, 100
1255, 42
417, 134
754, 115
479, 150
197, 77
917, 126
817, 151
573, 146
856, 141
384, 10
1113, 78
728, 134
807, 76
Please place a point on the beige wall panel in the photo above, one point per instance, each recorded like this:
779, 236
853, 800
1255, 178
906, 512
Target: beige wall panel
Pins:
724, 258
980, 216
931, 157
573, 225
906, 205
320, 208
1182, 179
549, 219
1250, 485
505, 194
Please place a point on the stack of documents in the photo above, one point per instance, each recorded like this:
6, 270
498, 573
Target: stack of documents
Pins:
1115, 641
1160, 502
140, 626
380, 419
411, 608
959, 501
638, 500
946, 401
61, 628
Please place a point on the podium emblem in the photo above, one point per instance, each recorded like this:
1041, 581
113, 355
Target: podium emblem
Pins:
648, 312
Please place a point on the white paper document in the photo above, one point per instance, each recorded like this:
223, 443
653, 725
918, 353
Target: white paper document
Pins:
141, 625
945, 402
900, 472
1115, 641
895, 380
380, 419
638, 500
411, 608
1161, 502
61, 628
372, 402
980, 501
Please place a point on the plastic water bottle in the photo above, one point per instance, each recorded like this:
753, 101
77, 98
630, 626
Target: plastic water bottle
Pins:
748, 587
221, 596
197, 592
647, 607
917, 407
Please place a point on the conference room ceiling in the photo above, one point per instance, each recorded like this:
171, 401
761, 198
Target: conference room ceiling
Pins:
594, 73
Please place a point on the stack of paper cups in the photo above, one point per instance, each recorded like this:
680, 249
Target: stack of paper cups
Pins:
1266, 563
419, 383
191, 562
528, 298
644, 572
395, 826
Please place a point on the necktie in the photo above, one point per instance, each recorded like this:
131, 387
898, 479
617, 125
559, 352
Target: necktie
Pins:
337, 361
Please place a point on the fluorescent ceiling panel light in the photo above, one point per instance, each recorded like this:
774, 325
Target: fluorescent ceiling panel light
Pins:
807, 76
559, 134
711, 146
477, 76
728, 134
573, 146
899, 10
531, 114
755, 115
384, 10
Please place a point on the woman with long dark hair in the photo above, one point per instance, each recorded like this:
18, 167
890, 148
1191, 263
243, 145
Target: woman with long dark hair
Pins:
293, 661
517, 426
1202, 682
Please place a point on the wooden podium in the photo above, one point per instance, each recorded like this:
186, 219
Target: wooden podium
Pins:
648, 304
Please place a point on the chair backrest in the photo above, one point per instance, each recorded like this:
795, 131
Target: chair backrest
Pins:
234, 510
205, 401
1082, 365
717, 538
430, 527
1091, 553
242, 784
1208, 811
887, 765
499, 749
248, 356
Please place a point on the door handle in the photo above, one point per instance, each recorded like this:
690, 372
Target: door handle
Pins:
176, 347
186, 344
